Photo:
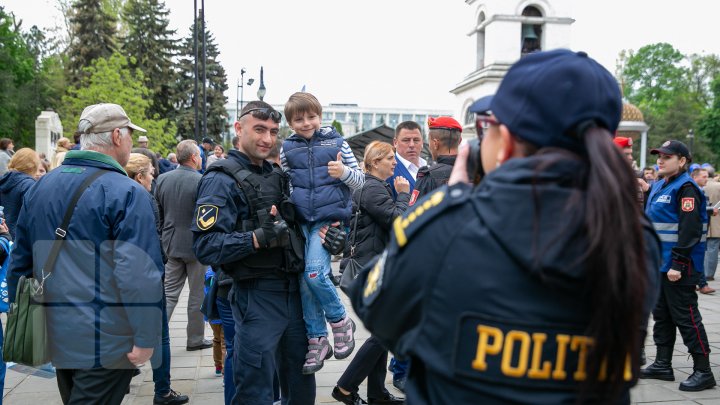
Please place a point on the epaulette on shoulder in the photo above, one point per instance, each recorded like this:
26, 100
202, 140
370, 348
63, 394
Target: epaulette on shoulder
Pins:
425, 210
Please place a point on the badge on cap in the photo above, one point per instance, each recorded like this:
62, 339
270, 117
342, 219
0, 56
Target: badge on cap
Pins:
688, 204
207, 216
666, 144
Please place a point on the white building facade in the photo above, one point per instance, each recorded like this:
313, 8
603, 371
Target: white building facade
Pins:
505, 30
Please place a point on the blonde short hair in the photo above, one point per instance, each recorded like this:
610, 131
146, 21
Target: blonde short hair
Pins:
25, 160
375, 152
63, 142
137, 164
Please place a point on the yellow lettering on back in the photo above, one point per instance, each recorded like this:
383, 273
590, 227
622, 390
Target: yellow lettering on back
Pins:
506, 364
581, 343
627, 375
483, 349
562, 343
535, 370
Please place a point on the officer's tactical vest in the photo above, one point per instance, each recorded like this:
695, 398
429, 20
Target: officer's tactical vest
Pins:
262, 191
662, 208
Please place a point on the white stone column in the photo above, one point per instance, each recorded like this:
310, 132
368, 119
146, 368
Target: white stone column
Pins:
643, 150
48, 129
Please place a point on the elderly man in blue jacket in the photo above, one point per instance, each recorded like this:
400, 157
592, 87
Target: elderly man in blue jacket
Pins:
104, 293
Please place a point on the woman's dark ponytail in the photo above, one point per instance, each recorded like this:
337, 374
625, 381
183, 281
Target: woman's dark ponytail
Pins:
616, 265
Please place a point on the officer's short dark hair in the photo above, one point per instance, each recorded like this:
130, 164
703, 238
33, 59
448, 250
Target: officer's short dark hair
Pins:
449, 138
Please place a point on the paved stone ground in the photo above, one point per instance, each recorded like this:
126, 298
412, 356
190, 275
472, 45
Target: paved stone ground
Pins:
193, 373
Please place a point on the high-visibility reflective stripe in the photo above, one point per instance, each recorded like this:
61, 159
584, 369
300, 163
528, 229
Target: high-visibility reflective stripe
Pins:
665, 226
673, 237
669, 226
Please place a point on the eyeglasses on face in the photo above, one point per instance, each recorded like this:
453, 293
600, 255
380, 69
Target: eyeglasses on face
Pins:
263, 114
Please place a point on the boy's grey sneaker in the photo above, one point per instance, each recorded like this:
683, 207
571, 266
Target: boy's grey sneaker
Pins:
319, 350
343, 337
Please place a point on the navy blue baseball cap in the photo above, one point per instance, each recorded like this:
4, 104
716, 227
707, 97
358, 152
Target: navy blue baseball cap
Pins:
546, 96
481, 106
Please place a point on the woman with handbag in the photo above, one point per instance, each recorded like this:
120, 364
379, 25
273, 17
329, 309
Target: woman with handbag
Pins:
374, 212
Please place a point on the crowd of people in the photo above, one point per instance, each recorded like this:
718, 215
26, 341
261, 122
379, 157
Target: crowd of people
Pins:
538, 207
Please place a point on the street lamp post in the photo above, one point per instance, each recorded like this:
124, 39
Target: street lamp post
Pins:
261, 90
241, 87
691, 138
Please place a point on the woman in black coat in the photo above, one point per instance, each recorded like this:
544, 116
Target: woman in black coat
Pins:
376, 213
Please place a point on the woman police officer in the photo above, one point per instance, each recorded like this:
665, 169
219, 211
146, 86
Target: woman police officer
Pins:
514, 291
676, 207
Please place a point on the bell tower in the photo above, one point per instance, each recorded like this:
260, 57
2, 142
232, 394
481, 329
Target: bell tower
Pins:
505, 31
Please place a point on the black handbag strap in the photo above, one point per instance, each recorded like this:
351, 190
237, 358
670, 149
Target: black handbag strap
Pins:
61, 231
353, 230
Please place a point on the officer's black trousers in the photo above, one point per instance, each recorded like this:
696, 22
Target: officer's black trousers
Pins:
677, 307
93, 386
370, 361
269, 333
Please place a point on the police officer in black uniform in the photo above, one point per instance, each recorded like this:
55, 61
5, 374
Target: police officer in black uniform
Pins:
677, 208
545, 221
238, 228
445, 135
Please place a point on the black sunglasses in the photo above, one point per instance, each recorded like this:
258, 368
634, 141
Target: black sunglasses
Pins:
263, 114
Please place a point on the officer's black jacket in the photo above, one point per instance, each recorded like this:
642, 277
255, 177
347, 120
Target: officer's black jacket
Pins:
468, 271
431, 177
221, 243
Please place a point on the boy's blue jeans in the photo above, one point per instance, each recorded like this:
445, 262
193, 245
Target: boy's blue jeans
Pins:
320, 300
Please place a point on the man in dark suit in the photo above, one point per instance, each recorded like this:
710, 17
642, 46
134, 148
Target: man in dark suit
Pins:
175, 194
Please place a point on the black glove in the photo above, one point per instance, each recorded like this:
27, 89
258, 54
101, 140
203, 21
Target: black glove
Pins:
272, 233
334, 240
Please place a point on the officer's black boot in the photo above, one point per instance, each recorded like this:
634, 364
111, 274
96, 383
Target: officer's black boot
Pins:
661, 369
702, 377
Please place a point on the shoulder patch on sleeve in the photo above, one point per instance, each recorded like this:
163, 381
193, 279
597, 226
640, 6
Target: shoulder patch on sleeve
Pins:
427, 208
207, 216
688, 204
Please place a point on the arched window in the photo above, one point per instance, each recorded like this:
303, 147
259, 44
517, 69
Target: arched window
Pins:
531, 34
469, 116
481, 42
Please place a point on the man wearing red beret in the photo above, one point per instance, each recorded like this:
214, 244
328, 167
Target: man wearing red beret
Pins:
445, 136
625, 145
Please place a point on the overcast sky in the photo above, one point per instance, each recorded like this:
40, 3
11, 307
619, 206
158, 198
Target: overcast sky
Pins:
397, 53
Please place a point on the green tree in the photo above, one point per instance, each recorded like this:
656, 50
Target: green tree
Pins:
652, 75
93, 36
216, 87
709, 124
673, 91
150, 42
30, 80
112, 80
338, 126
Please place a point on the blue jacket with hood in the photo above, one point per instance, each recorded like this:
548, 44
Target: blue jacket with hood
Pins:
317, 196
13, 186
